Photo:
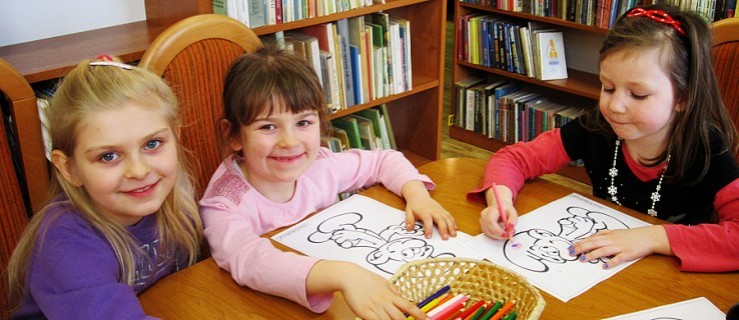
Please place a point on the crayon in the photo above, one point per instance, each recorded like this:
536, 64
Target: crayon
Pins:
511, 316
433, 296
455, 314
448, 312
503, 310
460, 298
492, 311
471, 309
431, 304
507, 231
477, 313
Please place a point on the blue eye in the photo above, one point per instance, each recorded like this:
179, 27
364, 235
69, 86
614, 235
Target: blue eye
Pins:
108, 157
152, 144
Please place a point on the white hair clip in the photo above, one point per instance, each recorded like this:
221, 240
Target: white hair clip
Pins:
111, 63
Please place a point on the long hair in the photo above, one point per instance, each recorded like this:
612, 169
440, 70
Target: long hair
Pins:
267, 79
85, 91
690, 67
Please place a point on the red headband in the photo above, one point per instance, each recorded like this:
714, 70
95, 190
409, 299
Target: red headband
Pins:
659, 16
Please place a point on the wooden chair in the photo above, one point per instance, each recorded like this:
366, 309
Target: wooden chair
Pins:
26, 131
193, 56
726, 58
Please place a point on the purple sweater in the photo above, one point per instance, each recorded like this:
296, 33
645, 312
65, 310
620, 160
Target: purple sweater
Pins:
73, 272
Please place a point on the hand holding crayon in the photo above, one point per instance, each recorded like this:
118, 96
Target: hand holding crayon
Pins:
508, 228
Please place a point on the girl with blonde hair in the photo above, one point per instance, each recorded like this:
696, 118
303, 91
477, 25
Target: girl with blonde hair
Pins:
122, 212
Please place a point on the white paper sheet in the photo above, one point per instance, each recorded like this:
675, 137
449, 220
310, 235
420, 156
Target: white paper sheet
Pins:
370, 234
694, 309
539, 248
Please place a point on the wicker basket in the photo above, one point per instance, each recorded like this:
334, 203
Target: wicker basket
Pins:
419, 279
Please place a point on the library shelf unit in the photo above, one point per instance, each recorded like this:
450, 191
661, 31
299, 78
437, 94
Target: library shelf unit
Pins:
581, 87
415, 114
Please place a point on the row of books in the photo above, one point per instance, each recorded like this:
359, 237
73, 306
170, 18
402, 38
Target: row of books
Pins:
257, 13
367, 129
529, 49
504, 111
358, 59
603, 13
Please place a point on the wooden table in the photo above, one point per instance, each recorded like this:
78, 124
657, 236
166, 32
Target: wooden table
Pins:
204, 291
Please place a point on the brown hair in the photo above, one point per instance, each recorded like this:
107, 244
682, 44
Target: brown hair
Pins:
266, 79
690, 67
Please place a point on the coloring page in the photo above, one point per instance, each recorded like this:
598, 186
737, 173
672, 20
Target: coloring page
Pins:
694, 309
370, 234
539, 251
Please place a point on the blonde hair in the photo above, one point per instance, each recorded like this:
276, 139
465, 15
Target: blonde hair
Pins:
87, 90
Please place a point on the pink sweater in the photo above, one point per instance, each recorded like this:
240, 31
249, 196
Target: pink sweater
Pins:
512, 165
235, 216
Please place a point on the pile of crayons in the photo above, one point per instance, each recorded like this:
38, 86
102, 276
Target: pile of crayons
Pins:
445, 305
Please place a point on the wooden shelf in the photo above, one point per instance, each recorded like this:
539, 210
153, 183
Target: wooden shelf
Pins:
415, 115
580, 88
53, 57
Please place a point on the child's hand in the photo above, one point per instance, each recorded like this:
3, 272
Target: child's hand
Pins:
491, 221
623, 245
420, 206
429, 212
372, 297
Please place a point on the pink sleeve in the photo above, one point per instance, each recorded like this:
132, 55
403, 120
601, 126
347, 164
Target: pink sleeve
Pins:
237, 247
710, 247
513, 164
363, 168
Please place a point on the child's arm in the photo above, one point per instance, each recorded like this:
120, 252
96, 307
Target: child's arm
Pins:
707, 247
367, 294
420, 205
74, 275
509, 168
490, 220
623, 244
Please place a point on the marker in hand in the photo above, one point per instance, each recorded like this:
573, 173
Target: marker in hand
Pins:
507, 227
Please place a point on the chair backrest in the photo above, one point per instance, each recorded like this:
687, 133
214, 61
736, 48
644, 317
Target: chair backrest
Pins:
193, 56
14, 212
27, 130
726, 58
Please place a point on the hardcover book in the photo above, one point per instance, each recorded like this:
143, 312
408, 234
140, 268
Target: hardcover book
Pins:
551, 55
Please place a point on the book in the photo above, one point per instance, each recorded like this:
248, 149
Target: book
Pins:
351, 127
311, 50
357, 39
551, 55
342, 28
256, 13
388, 125
378, 125
461, 99
219, 7
370, 140
332, 143
342, 136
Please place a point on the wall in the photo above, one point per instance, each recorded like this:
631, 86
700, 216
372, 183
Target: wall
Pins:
28, 20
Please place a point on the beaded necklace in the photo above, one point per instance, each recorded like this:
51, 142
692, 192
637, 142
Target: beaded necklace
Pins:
613, 191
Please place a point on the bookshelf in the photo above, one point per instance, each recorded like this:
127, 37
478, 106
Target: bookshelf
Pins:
415, 114
582, 87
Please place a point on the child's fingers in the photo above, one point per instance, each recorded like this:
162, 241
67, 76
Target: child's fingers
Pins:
405, 306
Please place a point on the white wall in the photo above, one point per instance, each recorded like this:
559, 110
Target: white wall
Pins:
28, 20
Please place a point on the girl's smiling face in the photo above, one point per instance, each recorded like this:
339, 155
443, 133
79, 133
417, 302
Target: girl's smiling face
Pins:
126, 159
277, 149
637, 96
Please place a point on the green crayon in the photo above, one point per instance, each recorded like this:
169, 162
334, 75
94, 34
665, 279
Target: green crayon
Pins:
492, 311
